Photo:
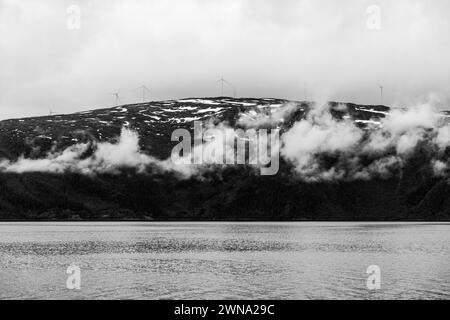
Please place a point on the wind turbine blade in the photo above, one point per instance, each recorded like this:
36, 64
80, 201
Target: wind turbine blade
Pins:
228, 83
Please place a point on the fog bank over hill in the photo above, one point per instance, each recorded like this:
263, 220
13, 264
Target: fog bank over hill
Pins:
323, 141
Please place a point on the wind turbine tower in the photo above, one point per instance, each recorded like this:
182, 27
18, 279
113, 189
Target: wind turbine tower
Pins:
381, 94
144, 89
117, 99
304, 92
223, 82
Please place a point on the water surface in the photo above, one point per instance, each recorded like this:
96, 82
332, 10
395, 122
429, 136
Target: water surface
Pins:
221, 260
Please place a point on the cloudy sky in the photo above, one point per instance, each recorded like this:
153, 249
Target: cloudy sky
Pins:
292, 49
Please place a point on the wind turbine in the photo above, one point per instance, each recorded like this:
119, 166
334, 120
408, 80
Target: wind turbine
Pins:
144, 89
223, 81
304, 92
116, 95
381, 93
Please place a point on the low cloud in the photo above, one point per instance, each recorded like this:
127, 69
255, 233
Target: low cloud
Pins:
319, 147
440, 168
93, 158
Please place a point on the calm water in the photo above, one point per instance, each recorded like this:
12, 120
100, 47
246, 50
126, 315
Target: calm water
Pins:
293, 260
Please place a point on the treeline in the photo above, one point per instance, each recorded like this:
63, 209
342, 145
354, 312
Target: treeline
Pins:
235, 193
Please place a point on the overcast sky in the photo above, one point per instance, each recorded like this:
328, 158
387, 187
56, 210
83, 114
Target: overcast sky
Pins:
179, 48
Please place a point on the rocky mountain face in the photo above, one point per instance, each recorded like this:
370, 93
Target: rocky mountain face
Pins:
153, 121
228, 193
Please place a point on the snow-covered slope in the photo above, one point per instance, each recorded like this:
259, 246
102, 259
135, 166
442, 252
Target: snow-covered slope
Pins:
155, 121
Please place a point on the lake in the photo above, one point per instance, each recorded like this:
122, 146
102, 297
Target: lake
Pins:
224, 260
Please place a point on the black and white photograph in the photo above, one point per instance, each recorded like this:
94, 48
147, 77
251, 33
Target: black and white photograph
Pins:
224, 155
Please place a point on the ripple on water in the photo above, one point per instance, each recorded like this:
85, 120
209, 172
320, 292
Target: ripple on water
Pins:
224, 260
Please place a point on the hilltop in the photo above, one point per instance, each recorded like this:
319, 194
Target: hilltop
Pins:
231, 193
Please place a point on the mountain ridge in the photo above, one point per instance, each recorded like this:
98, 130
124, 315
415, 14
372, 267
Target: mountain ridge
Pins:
234, 193
145, 118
